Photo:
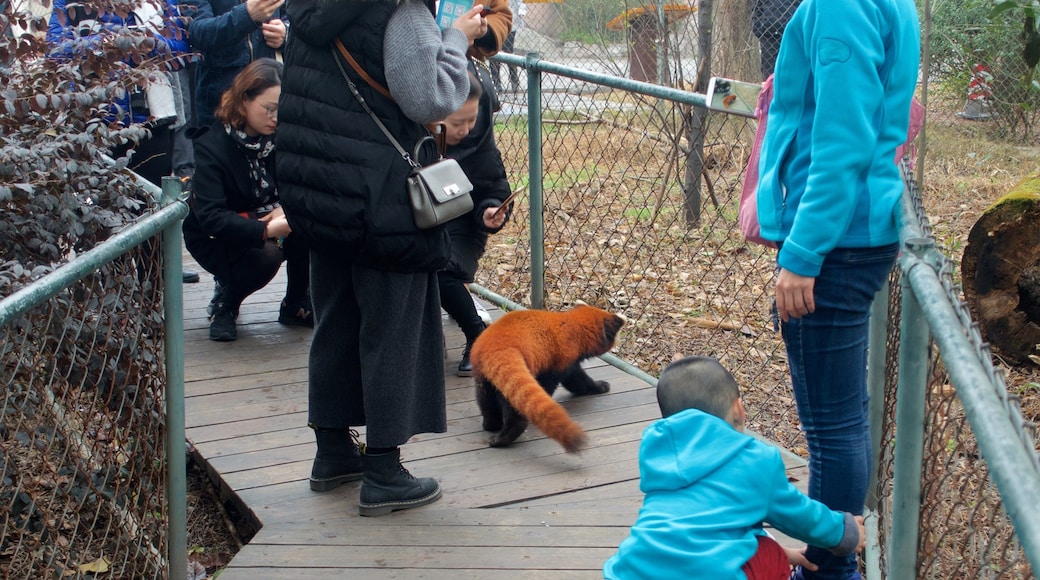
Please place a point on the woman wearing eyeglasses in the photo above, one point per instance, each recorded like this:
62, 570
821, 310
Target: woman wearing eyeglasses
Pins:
236, 228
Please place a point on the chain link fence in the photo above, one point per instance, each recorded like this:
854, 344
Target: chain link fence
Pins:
964, 530
978, 77
83, 449
88, 486
658, 43
638, 216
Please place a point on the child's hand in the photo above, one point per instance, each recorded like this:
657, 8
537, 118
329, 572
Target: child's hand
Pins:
796, 556
472, 24
862, 534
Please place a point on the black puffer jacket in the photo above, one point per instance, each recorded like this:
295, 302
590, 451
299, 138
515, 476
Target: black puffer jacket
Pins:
341, 182
480, 158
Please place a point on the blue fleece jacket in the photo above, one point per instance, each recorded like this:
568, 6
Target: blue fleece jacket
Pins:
841, 105
709, 488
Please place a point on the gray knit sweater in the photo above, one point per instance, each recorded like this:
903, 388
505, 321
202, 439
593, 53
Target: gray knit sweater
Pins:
414, 45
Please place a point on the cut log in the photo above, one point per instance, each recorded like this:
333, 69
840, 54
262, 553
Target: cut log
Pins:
1001, 273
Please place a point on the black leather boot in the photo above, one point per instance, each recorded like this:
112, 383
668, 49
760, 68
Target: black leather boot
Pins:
465, 366
387, 486
338, 459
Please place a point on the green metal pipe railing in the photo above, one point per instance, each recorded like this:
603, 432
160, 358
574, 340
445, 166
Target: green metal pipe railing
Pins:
83, 265
535, 179
1012, 463
176, 451
910, 416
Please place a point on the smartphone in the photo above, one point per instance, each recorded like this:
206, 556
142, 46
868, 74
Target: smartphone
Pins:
733, 96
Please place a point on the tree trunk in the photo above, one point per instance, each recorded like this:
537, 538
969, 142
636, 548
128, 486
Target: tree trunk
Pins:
736, 49
1001, 273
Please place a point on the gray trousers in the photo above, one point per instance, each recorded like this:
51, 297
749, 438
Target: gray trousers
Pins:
377, 352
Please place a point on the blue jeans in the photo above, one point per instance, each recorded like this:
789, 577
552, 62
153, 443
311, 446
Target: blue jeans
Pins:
827, 355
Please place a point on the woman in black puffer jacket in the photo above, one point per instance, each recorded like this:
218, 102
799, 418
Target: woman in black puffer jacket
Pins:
377, 354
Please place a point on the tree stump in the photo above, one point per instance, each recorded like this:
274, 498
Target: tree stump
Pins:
1001, 273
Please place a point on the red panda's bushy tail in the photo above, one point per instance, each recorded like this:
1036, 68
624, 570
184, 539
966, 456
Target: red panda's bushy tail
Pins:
508, 372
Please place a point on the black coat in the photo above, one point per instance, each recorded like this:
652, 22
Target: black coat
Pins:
341, 182
479, 157
220, 190
770, 17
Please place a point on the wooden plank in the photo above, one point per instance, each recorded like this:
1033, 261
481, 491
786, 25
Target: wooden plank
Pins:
237, 572
453, 557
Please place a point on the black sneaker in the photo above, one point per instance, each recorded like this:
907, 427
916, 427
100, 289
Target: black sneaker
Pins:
222, 325
189, 276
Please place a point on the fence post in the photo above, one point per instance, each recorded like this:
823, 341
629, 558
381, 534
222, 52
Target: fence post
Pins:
876, 356
534, 172
176, 465
910, 417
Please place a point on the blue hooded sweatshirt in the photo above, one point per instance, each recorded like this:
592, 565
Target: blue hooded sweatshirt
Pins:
841, 106
709, 488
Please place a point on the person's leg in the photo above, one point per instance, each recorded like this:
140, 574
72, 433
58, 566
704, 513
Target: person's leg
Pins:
296, 308
402, 374
182, 152
457, 302
769, 562
335, 401
827, 353
250, 270
152, 161
514, 75
240, 272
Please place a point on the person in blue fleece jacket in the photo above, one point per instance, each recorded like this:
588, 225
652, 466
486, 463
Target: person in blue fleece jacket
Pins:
710, 488
829, 196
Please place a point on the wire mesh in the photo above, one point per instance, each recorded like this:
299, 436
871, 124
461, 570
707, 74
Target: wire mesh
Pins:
82, 454
620, 233
624, 231
964, 529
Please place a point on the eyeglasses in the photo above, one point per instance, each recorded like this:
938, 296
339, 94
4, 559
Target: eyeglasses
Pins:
271, 110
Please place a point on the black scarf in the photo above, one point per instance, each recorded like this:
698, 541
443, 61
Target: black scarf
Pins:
257, 150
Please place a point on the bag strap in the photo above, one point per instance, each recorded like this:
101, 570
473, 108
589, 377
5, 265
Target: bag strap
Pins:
364, 105
361, 72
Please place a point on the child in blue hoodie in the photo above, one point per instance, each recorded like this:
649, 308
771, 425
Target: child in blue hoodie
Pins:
710, 488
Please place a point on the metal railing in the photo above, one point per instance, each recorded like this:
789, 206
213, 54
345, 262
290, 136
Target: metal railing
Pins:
93, 455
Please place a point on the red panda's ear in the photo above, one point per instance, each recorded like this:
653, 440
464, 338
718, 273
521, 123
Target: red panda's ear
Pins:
611, 326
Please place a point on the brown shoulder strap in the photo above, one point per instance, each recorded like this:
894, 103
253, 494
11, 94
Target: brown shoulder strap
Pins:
360, 71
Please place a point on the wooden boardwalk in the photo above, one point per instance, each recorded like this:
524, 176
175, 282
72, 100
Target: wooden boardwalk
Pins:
528, 511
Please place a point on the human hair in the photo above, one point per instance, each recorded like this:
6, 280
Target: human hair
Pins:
476, 89
257, 77
696, 382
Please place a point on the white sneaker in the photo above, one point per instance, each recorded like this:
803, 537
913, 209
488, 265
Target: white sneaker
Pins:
481, 311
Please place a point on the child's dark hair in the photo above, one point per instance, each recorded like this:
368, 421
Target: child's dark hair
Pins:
696, 382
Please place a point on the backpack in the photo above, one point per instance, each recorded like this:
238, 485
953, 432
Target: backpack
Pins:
747, 211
